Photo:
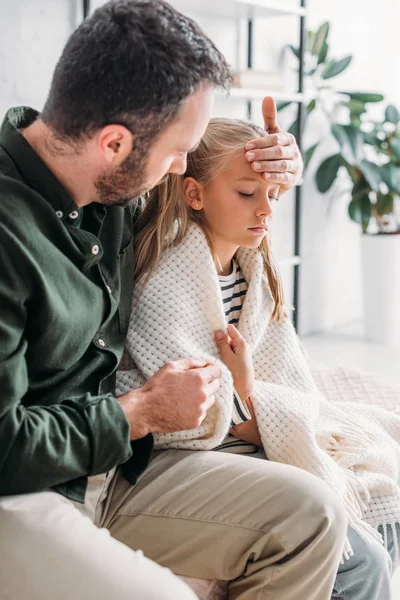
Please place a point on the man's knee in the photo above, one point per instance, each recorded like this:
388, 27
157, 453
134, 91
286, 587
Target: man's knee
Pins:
321, 500
311, 511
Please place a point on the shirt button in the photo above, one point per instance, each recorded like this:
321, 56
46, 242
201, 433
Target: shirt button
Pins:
109, 289
101, 342
95, 249
59, 214
74, 214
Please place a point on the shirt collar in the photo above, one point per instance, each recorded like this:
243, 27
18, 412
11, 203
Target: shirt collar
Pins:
33, 169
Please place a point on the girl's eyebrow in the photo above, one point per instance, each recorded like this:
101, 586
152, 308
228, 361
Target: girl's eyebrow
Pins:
248, 179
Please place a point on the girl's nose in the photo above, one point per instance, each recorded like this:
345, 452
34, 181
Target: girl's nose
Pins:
265, 208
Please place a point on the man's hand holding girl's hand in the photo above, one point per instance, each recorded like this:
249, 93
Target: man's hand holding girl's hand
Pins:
177, 397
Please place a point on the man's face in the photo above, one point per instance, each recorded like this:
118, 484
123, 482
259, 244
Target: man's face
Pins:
146, 167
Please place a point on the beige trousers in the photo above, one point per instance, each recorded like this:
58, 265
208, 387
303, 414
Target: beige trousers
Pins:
50, 551
276, 532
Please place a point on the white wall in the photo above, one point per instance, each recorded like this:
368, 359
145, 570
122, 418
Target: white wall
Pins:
331, 287
33, 33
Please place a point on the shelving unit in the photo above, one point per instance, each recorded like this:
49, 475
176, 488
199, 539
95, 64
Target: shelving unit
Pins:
251, 10
85, 8
271, 8
233, 9
292, 261
258, 94
267, 8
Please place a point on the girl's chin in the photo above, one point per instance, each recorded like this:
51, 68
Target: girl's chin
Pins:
251, 245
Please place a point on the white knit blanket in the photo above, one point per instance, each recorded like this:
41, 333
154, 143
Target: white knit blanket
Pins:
355, 448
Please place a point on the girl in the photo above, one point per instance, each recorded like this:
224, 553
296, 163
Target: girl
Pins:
204, 266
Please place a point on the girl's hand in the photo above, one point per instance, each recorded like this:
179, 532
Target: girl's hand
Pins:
236, 354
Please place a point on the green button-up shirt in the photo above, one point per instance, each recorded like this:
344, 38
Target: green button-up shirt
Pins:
65, 293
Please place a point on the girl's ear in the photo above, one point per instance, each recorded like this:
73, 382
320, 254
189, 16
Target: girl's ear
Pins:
193, 193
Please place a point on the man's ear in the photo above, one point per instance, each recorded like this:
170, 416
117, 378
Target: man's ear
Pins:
193, 193
115, 143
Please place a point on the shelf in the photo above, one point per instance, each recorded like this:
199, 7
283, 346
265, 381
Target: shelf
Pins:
234, 9
268, 8
257, 94
291, 261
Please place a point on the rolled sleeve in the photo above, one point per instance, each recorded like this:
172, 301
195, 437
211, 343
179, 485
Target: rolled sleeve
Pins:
240, 412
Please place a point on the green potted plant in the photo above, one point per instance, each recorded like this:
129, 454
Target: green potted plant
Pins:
368, 151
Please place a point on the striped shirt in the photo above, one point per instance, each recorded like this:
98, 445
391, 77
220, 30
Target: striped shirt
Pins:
233, 291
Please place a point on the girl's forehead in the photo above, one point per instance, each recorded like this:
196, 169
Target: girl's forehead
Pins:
238, 167
239, 170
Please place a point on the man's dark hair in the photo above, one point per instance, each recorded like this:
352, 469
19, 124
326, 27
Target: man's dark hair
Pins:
133, 62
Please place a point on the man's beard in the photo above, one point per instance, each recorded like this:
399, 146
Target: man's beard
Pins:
126, 183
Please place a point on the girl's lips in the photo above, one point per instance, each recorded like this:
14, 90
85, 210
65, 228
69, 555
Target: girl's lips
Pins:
258, 229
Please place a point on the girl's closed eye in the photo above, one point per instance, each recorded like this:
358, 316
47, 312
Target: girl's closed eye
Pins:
246, 194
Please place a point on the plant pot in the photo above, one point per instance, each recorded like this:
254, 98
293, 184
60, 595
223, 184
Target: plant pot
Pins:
381, 287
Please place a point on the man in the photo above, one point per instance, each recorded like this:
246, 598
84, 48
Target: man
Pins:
130, 97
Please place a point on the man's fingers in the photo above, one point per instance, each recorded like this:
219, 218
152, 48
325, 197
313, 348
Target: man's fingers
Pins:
270, 115
275, 166
210, 373
273, 153
285, 179
212, 388
206, 406
184, 364
209, 402
283, 138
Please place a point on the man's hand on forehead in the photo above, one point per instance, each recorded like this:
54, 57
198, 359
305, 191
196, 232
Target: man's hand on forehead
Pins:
276, 155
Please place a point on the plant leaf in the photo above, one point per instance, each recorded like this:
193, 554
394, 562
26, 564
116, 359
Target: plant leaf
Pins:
395, 146
335, 67
310, 40
391, 176
356, 107
309, 154
295, 51
320, 39
384, 204
282, 105
350, 140
311, 105
323, 53
293, 128
364, 96
392, 114
371, 138
327, 172
372, 173
360, 211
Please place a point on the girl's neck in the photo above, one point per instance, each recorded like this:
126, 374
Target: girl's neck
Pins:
223, 258
223, 271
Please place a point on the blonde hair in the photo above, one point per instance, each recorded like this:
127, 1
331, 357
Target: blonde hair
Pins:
166, 217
